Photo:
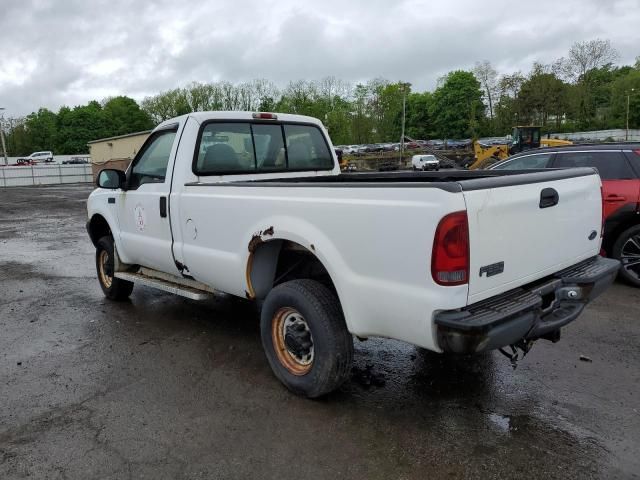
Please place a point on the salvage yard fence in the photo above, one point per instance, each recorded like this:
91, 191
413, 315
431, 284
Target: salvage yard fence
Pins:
44, 175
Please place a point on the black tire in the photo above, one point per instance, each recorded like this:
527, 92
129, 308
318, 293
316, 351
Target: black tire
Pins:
331, 342
113, 288
625, 247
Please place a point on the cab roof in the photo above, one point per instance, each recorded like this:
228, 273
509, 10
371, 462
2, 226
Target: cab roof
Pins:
201, 117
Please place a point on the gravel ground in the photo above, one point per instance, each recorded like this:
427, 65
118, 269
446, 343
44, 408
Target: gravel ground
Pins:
166, 388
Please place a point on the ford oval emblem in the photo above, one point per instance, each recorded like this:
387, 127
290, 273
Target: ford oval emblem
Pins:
593, 235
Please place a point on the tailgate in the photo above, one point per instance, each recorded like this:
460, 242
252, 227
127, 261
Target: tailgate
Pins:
519, 232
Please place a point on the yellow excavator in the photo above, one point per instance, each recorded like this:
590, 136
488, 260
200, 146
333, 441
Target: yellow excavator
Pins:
524, 138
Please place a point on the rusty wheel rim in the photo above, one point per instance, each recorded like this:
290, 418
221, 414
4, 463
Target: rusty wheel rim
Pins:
103, 270
292, 341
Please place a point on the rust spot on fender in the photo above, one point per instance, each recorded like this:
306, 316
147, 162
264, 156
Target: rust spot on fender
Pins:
313, 247
257, 238
254, 242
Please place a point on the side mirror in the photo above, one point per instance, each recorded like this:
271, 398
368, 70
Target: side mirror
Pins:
111, 179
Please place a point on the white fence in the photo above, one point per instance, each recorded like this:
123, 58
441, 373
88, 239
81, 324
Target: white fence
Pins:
44, 175
618, 135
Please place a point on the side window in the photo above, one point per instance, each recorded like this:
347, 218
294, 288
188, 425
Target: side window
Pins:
634, 158
151, 164
610, 165
306, 148
540, 160
225, 147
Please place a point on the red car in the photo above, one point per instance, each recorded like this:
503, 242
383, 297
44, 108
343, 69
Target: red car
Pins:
619, 168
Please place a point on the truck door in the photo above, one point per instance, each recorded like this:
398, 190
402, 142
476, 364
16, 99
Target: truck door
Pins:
145, 231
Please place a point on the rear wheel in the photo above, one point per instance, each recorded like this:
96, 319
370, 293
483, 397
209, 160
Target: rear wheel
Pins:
113, 288
305, 337
627, 250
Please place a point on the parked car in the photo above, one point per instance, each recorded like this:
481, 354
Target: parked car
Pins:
37, 157
23, 162
619, 168
458, 144
425, 162
350, 149
407, 146
253, 204
76, 161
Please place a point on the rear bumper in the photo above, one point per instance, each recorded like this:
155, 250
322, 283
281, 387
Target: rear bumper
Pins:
530, 312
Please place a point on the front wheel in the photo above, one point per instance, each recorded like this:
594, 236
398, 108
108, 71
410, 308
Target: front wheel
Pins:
627, 250
305, 337
113, 288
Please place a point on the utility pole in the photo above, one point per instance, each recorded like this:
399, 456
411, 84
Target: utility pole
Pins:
626, 136
404, 116
4, 146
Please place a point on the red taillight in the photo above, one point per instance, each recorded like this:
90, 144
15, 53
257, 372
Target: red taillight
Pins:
450, 256
637, 152
265, 116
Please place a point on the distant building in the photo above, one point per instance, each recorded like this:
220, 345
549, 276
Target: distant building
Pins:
115, 152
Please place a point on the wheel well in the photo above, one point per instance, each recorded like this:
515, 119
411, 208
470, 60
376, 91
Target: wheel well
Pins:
611, 237
98, 228
278, 261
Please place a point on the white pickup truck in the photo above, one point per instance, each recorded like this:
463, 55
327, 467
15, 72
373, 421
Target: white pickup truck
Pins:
254, 205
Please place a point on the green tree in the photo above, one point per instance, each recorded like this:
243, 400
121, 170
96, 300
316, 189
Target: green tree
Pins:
165, 105
388, 110
581, 65
488, 78
626, 86
420, 123
18, 141
542, 99
123, 115
40, 128
78, 126
362, 124
457, 106
506, 108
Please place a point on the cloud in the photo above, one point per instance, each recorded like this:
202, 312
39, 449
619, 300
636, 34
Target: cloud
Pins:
67, 53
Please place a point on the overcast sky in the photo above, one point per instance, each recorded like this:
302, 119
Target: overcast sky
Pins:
67, 52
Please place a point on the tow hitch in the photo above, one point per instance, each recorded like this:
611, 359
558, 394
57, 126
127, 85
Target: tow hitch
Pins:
519, 350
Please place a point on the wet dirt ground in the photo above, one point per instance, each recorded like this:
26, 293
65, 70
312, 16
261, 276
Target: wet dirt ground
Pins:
166, 388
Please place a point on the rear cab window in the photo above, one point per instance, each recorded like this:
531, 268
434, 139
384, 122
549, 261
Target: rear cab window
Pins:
610, 165
225, 147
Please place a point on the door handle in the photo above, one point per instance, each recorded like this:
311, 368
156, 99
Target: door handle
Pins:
549, 197
615, 198
163, 207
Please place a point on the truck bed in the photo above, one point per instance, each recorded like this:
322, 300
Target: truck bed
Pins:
453, 180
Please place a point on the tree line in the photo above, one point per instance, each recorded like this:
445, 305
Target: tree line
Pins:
583, 91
